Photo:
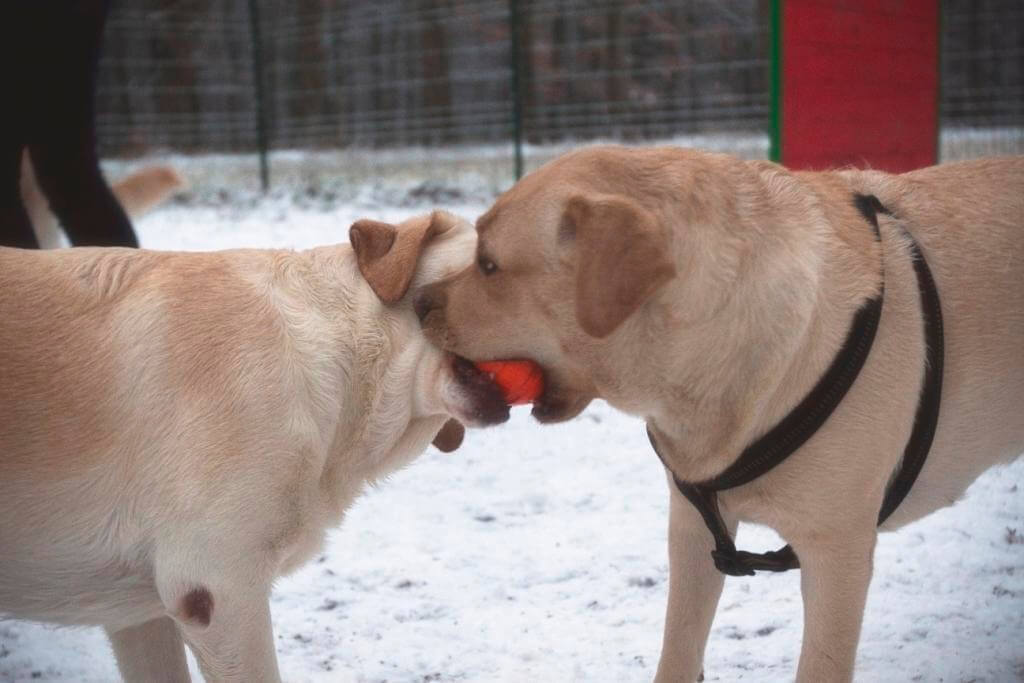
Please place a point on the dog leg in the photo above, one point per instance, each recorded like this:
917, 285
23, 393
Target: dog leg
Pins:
221, 605
152, 652
834, 579
694, 588
229, 631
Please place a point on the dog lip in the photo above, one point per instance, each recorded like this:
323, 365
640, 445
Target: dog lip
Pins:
466, 370
487, 403
550, 408
544, 410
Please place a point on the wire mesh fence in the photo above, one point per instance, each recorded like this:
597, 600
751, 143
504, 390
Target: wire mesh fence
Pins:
982, 70
228, 77
177, 75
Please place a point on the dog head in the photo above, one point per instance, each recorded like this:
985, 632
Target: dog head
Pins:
593, 264
564, 260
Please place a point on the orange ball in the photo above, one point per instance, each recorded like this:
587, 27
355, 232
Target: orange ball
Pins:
520, 381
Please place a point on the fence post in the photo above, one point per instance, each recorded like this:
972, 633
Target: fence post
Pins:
775, 130
517, 99
257, 79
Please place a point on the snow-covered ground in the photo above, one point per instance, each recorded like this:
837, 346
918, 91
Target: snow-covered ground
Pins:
538, 553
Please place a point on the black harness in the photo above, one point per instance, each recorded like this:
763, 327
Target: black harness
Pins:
808, 416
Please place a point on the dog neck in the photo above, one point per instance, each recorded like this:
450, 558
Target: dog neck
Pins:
373, 421
732, 385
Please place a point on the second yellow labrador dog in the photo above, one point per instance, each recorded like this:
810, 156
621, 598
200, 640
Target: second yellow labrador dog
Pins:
177, 430
711, 295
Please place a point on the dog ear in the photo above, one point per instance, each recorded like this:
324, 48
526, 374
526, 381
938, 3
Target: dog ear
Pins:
450, 437
623, 256
387, 254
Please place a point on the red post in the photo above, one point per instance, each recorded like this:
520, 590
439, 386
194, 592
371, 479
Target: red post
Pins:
859, 83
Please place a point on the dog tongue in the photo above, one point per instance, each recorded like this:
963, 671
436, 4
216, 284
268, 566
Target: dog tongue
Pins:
520, 381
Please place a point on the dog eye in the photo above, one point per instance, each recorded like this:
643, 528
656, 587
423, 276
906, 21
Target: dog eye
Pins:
487, 266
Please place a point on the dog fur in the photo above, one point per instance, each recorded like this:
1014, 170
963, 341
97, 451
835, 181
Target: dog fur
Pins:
707, 295
138, 192
179, 429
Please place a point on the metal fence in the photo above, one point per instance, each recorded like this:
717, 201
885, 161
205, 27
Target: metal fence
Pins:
193, 76
982, 78
983, 63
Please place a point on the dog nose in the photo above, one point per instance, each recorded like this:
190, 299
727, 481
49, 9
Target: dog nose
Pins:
431, 298
422, 305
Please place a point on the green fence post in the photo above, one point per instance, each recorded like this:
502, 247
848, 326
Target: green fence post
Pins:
517, 100
257, 78
775, 145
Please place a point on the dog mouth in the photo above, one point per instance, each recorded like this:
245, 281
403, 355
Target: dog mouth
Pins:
483, 402
552, 406
486, 404
558, 402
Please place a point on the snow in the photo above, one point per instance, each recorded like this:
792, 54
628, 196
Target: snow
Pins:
538, 553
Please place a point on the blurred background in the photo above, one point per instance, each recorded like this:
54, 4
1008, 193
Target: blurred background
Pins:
434, 99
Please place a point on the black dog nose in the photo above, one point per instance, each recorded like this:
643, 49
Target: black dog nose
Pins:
430, 298
422, 305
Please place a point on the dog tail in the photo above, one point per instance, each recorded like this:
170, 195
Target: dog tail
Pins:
142, 190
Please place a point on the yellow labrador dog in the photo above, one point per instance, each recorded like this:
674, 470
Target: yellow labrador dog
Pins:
180, 429
710, 295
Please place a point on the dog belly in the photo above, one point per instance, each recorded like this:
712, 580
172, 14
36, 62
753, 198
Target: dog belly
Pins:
114, 599
980, 425
977, 255
954, 463
72, 559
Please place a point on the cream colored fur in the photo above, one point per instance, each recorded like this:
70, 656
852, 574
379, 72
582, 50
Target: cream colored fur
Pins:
174, 423
137, 192
769, 268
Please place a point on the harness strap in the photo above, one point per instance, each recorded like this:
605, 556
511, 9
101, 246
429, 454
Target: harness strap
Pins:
728, 559
801, 423
927, 416
810, 414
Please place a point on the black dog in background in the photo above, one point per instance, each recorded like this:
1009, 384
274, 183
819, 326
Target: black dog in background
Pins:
50, 53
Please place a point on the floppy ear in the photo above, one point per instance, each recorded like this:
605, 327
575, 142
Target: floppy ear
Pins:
450, 436
623, 257
387, 255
